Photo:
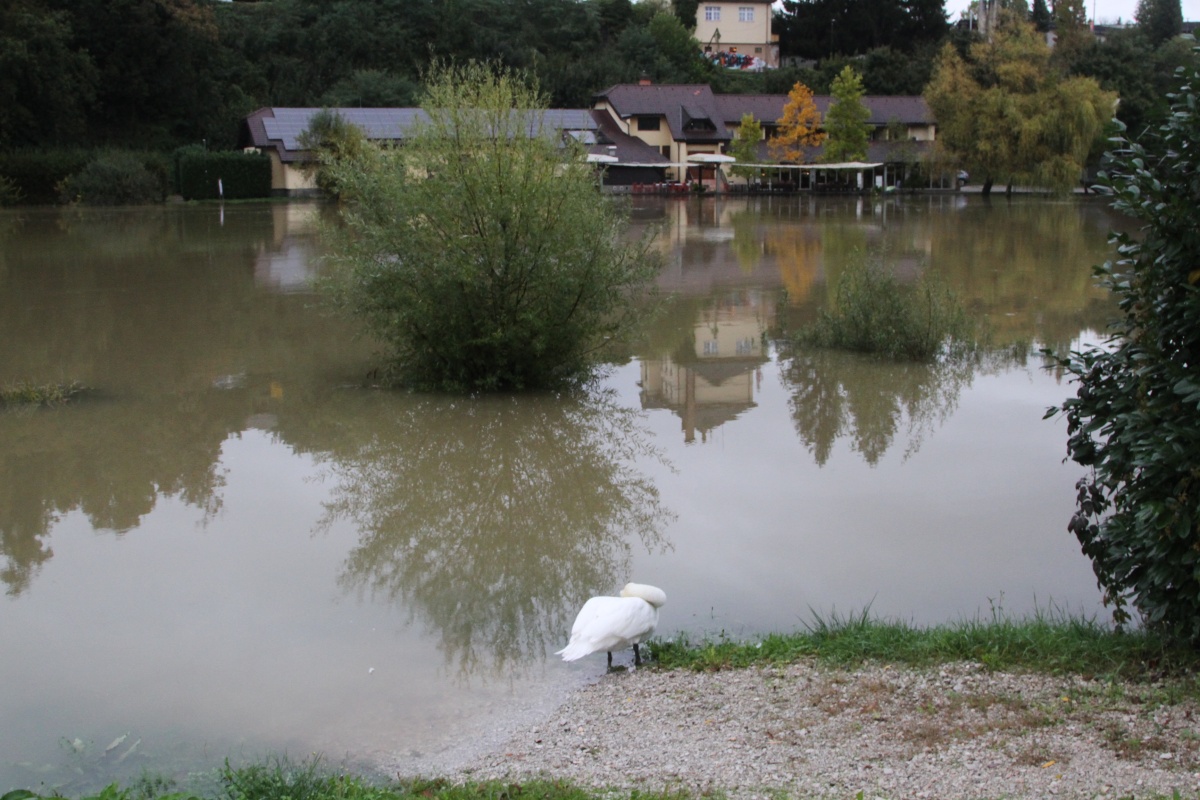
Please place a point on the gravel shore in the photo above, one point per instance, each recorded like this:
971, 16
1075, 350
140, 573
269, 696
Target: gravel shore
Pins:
958, 731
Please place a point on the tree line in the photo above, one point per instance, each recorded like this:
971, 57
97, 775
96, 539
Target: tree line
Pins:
159, 74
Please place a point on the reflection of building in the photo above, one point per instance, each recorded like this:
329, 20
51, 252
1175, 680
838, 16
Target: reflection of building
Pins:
713, 379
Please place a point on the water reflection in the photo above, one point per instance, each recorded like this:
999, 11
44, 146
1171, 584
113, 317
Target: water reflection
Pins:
1018, 266
489, 521
838, 395
709, 358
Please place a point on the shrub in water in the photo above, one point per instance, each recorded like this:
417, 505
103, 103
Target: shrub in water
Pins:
873, 312
482, 251
1135, 418
114, 178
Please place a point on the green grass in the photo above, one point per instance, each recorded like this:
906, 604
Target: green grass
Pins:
43, 394
1045, 642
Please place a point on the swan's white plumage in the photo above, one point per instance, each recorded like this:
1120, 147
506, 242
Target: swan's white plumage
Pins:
615, 623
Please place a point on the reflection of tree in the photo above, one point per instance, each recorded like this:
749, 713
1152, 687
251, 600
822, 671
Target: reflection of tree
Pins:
837, 394
156, 310
56, 461
494, 518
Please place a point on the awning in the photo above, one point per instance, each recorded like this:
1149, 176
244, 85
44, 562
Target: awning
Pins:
711, 158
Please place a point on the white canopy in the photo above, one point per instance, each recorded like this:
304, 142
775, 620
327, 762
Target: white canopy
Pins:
711, 158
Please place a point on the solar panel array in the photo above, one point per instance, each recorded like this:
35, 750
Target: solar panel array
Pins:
390, 123
376, 123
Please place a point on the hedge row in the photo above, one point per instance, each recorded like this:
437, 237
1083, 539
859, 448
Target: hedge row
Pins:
234, 176
41, 177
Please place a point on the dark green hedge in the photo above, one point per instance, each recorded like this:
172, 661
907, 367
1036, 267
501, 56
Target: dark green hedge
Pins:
241, 175
37, 173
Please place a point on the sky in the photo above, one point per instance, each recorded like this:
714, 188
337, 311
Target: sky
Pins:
1103, 11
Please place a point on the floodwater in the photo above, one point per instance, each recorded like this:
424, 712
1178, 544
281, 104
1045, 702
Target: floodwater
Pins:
229, 548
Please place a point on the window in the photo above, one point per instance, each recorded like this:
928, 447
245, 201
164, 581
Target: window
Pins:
712, 13
647, 123
746, 14
711, 348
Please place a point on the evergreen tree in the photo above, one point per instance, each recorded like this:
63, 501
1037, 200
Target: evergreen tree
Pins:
846, 120
1160, 19
1040, 16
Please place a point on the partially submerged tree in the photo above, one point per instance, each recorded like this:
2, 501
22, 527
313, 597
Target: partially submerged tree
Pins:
1135, 419
481, 251
798, 128
846, 120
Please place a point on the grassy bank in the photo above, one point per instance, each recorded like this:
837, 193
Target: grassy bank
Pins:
1160, 674
1045, 643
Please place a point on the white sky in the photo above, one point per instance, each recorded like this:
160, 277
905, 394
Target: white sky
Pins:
1104, 11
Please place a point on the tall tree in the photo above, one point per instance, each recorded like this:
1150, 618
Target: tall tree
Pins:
1040, 16
1007, 114
47, 83
1160, 19
846, 120
799, 127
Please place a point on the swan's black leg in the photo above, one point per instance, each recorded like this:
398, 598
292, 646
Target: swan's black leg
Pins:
610, 659
637, 656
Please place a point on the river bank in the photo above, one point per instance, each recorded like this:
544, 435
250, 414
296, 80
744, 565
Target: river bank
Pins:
951, 731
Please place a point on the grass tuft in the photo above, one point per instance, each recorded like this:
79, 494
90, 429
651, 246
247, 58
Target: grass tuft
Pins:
43, 394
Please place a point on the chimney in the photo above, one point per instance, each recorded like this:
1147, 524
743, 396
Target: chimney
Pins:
645, 79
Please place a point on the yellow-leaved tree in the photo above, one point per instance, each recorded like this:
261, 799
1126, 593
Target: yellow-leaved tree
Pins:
1009, 115
798, 128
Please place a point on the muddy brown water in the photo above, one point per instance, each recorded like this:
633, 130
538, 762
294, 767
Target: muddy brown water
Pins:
228, 548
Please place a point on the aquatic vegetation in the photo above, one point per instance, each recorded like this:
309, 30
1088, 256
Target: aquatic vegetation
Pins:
43, 394
873, 311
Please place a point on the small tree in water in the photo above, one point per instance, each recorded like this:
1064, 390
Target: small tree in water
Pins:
481, 251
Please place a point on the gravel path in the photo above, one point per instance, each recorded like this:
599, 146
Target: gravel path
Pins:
958, 731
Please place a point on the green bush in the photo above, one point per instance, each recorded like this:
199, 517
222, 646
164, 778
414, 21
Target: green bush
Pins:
873, 312
208, 175
1135, 418
116, 178
37, 174
10, 193
482, 252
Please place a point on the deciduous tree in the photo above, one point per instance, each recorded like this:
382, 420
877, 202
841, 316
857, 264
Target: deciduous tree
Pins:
799, 127
1007, 115
745, 146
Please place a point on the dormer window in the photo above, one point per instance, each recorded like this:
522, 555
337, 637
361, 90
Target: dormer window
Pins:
648, 123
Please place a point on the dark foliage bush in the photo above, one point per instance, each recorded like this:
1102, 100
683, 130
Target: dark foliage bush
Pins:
232, 175
36, 174
117, 178
1135, 418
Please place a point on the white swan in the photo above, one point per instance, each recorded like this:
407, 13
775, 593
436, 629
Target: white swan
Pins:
614, 623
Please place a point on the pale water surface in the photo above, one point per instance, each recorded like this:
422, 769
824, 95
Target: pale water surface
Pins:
230, 548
